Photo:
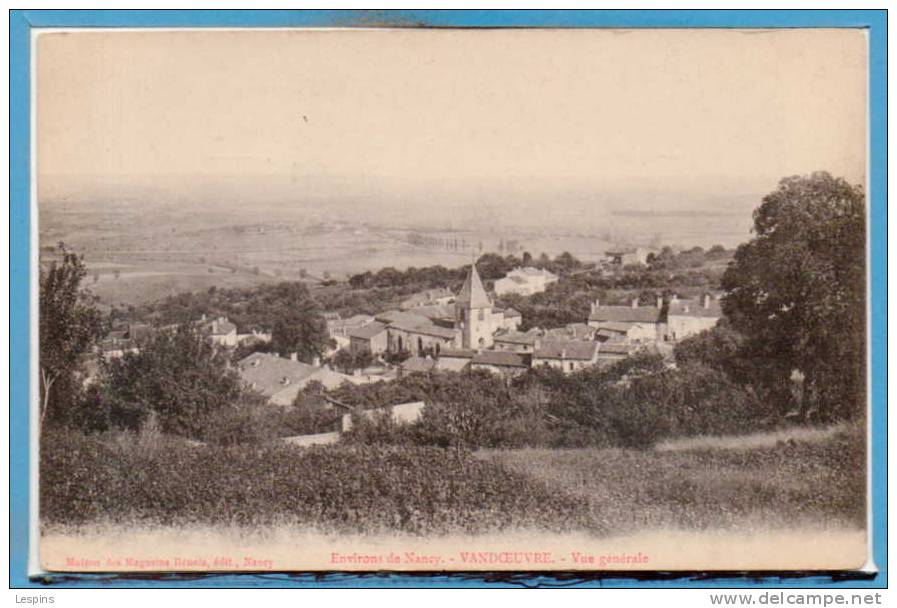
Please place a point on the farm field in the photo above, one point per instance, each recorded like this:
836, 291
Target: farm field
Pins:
188, 250
136, 283
726, 508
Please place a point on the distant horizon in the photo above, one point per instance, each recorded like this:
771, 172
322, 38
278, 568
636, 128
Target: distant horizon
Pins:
448, 208
424, 122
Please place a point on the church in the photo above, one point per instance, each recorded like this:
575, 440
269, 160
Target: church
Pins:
476, 318
469, 323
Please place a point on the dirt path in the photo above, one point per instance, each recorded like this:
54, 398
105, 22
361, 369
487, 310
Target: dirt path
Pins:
752, 441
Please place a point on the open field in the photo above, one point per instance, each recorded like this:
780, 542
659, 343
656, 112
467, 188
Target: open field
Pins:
138, 283
797, 482
175, 249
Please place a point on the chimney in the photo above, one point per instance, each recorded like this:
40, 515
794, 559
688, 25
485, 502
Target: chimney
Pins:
316, 361
706, 300
537, 344
674, 298
563, 353
595, 305
294, 357
203, 317
659, 302
635, 302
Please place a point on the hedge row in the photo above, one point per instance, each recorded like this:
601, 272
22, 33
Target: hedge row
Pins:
366, 489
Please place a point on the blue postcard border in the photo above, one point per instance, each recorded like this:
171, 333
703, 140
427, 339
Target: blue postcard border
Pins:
23, 21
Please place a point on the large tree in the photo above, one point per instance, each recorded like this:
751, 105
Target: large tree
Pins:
298, 326
179, 376
69, 324
797, 291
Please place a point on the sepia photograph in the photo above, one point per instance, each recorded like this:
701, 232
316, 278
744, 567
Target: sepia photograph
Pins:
451, 300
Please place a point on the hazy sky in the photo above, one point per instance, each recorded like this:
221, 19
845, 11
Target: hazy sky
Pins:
547, 111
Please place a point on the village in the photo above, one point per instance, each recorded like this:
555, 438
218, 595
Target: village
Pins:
439, 330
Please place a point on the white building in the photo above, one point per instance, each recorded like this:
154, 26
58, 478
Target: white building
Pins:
525, 281
221, 330
566, 355
688, 317
636, 323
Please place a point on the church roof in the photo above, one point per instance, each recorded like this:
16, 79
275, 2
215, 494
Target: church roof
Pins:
472, 292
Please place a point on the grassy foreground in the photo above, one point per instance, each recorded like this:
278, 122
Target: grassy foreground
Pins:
820, 482
343, 488
378, 489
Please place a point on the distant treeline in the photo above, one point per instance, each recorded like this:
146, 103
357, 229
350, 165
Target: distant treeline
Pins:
566, 301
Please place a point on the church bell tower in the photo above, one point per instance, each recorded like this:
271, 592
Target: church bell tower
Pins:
473, 313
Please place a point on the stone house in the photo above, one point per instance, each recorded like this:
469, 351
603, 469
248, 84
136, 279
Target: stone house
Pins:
566, 355
641, 323
688, 317
372, 338
501, 362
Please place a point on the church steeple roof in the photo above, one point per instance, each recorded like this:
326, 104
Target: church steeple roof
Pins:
472, 292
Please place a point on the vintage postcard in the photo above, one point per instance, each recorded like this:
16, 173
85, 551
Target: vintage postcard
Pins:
451, 299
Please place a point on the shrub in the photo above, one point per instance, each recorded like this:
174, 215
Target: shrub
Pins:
243, 423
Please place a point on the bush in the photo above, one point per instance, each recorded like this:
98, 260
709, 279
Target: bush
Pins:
243, 423
95, 479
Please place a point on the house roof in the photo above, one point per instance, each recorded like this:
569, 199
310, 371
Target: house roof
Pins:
472, 292
615, 326
366, 332
614, 348
500, 358
222, 327
422, 325
358, 319
580, 350
269, 374
456, 353
452, 365
518, 337
580, 330
433, 311
417, 365
626, 314
609, 334
330, 378
412, 322
509, 313
695, 308
349, 323
571, 331
534, 272
390, 316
